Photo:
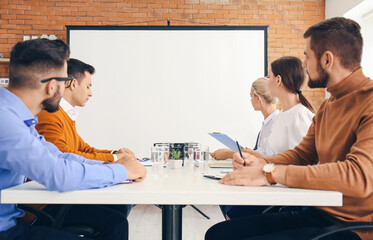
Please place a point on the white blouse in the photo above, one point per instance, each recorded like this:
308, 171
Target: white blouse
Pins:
265, 132
289, 129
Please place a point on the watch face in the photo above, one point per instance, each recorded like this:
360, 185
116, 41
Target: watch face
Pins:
268, 167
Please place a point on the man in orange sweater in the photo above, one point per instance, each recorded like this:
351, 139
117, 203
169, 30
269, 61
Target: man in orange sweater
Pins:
336, 154
59, 127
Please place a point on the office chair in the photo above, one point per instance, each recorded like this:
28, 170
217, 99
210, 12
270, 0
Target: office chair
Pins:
44, 219
339, 228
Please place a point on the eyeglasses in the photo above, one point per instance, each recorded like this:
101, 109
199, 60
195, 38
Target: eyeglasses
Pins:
63, 79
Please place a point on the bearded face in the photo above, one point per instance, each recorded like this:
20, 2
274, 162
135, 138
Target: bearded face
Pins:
320, 81
52, 104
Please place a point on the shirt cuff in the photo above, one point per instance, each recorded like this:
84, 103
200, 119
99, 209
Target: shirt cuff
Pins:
115, 157
119, 172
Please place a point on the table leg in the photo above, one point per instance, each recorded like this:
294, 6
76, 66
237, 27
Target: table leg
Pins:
172, 216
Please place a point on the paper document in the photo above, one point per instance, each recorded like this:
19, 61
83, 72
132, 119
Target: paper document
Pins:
226, 140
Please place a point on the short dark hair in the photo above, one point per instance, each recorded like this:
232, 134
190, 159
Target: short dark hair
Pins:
293, 76
77, 68
30, 58
339, 35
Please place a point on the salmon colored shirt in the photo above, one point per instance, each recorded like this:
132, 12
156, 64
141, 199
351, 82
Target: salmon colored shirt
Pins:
337, 152
59, 129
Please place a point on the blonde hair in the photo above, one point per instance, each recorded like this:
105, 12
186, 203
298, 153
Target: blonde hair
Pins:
260, 88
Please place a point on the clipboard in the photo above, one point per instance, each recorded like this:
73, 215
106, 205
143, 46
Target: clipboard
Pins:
226, 140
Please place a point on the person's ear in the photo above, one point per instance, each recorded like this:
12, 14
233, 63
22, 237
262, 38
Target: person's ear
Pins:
51, 87
327, 60
278, 80
73, 84
258, 98
261, 100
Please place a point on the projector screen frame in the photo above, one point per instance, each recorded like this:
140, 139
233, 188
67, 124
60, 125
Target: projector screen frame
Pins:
178, 28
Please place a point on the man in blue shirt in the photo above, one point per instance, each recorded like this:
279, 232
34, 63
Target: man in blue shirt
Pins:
37, 73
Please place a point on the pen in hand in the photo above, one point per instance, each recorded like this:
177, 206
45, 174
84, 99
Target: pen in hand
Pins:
239, 149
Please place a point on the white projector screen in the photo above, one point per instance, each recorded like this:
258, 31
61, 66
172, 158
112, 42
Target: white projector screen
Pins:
169, 84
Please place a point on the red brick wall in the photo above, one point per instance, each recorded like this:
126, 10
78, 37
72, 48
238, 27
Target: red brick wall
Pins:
287, 20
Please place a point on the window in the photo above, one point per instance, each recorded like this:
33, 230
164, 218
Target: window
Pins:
368, 45
363, 14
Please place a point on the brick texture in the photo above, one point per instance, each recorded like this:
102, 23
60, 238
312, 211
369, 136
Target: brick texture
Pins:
287, 20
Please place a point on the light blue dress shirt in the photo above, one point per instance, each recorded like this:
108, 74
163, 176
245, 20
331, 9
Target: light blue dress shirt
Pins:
25, 153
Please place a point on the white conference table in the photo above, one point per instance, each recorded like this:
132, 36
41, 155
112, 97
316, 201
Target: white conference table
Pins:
172, 189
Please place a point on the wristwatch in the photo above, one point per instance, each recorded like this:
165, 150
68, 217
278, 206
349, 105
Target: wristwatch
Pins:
268, 169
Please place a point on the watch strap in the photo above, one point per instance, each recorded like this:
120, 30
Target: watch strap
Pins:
270, 178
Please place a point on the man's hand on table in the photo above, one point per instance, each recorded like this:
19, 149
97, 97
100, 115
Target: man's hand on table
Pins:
120, 153
135, 170
250, 175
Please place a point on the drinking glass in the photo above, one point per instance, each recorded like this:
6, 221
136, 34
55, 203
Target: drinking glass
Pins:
197, 152
160, 153
205, 154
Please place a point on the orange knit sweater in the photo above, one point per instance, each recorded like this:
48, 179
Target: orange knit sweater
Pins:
59, 129
340, 139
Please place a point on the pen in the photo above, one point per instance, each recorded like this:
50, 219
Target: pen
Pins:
128, 181
239, 149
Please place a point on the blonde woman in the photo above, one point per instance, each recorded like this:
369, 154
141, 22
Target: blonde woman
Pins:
261, 100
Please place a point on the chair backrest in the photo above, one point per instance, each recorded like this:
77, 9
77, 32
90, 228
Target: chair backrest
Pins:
44, 219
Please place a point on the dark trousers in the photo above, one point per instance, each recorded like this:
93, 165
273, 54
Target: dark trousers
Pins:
23, 232
124, 210
110, 221
234, 212
288, 225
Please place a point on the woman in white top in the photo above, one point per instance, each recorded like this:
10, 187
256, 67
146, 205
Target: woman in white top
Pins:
286, 77
262, 101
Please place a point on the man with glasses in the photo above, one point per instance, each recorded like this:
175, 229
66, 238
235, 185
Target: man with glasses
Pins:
37, 73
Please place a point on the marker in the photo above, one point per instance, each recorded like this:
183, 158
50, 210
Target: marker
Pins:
239, 149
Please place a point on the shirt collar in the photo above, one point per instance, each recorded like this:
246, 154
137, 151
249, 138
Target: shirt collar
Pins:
352, 82
69, 109
16, 103
270, 117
